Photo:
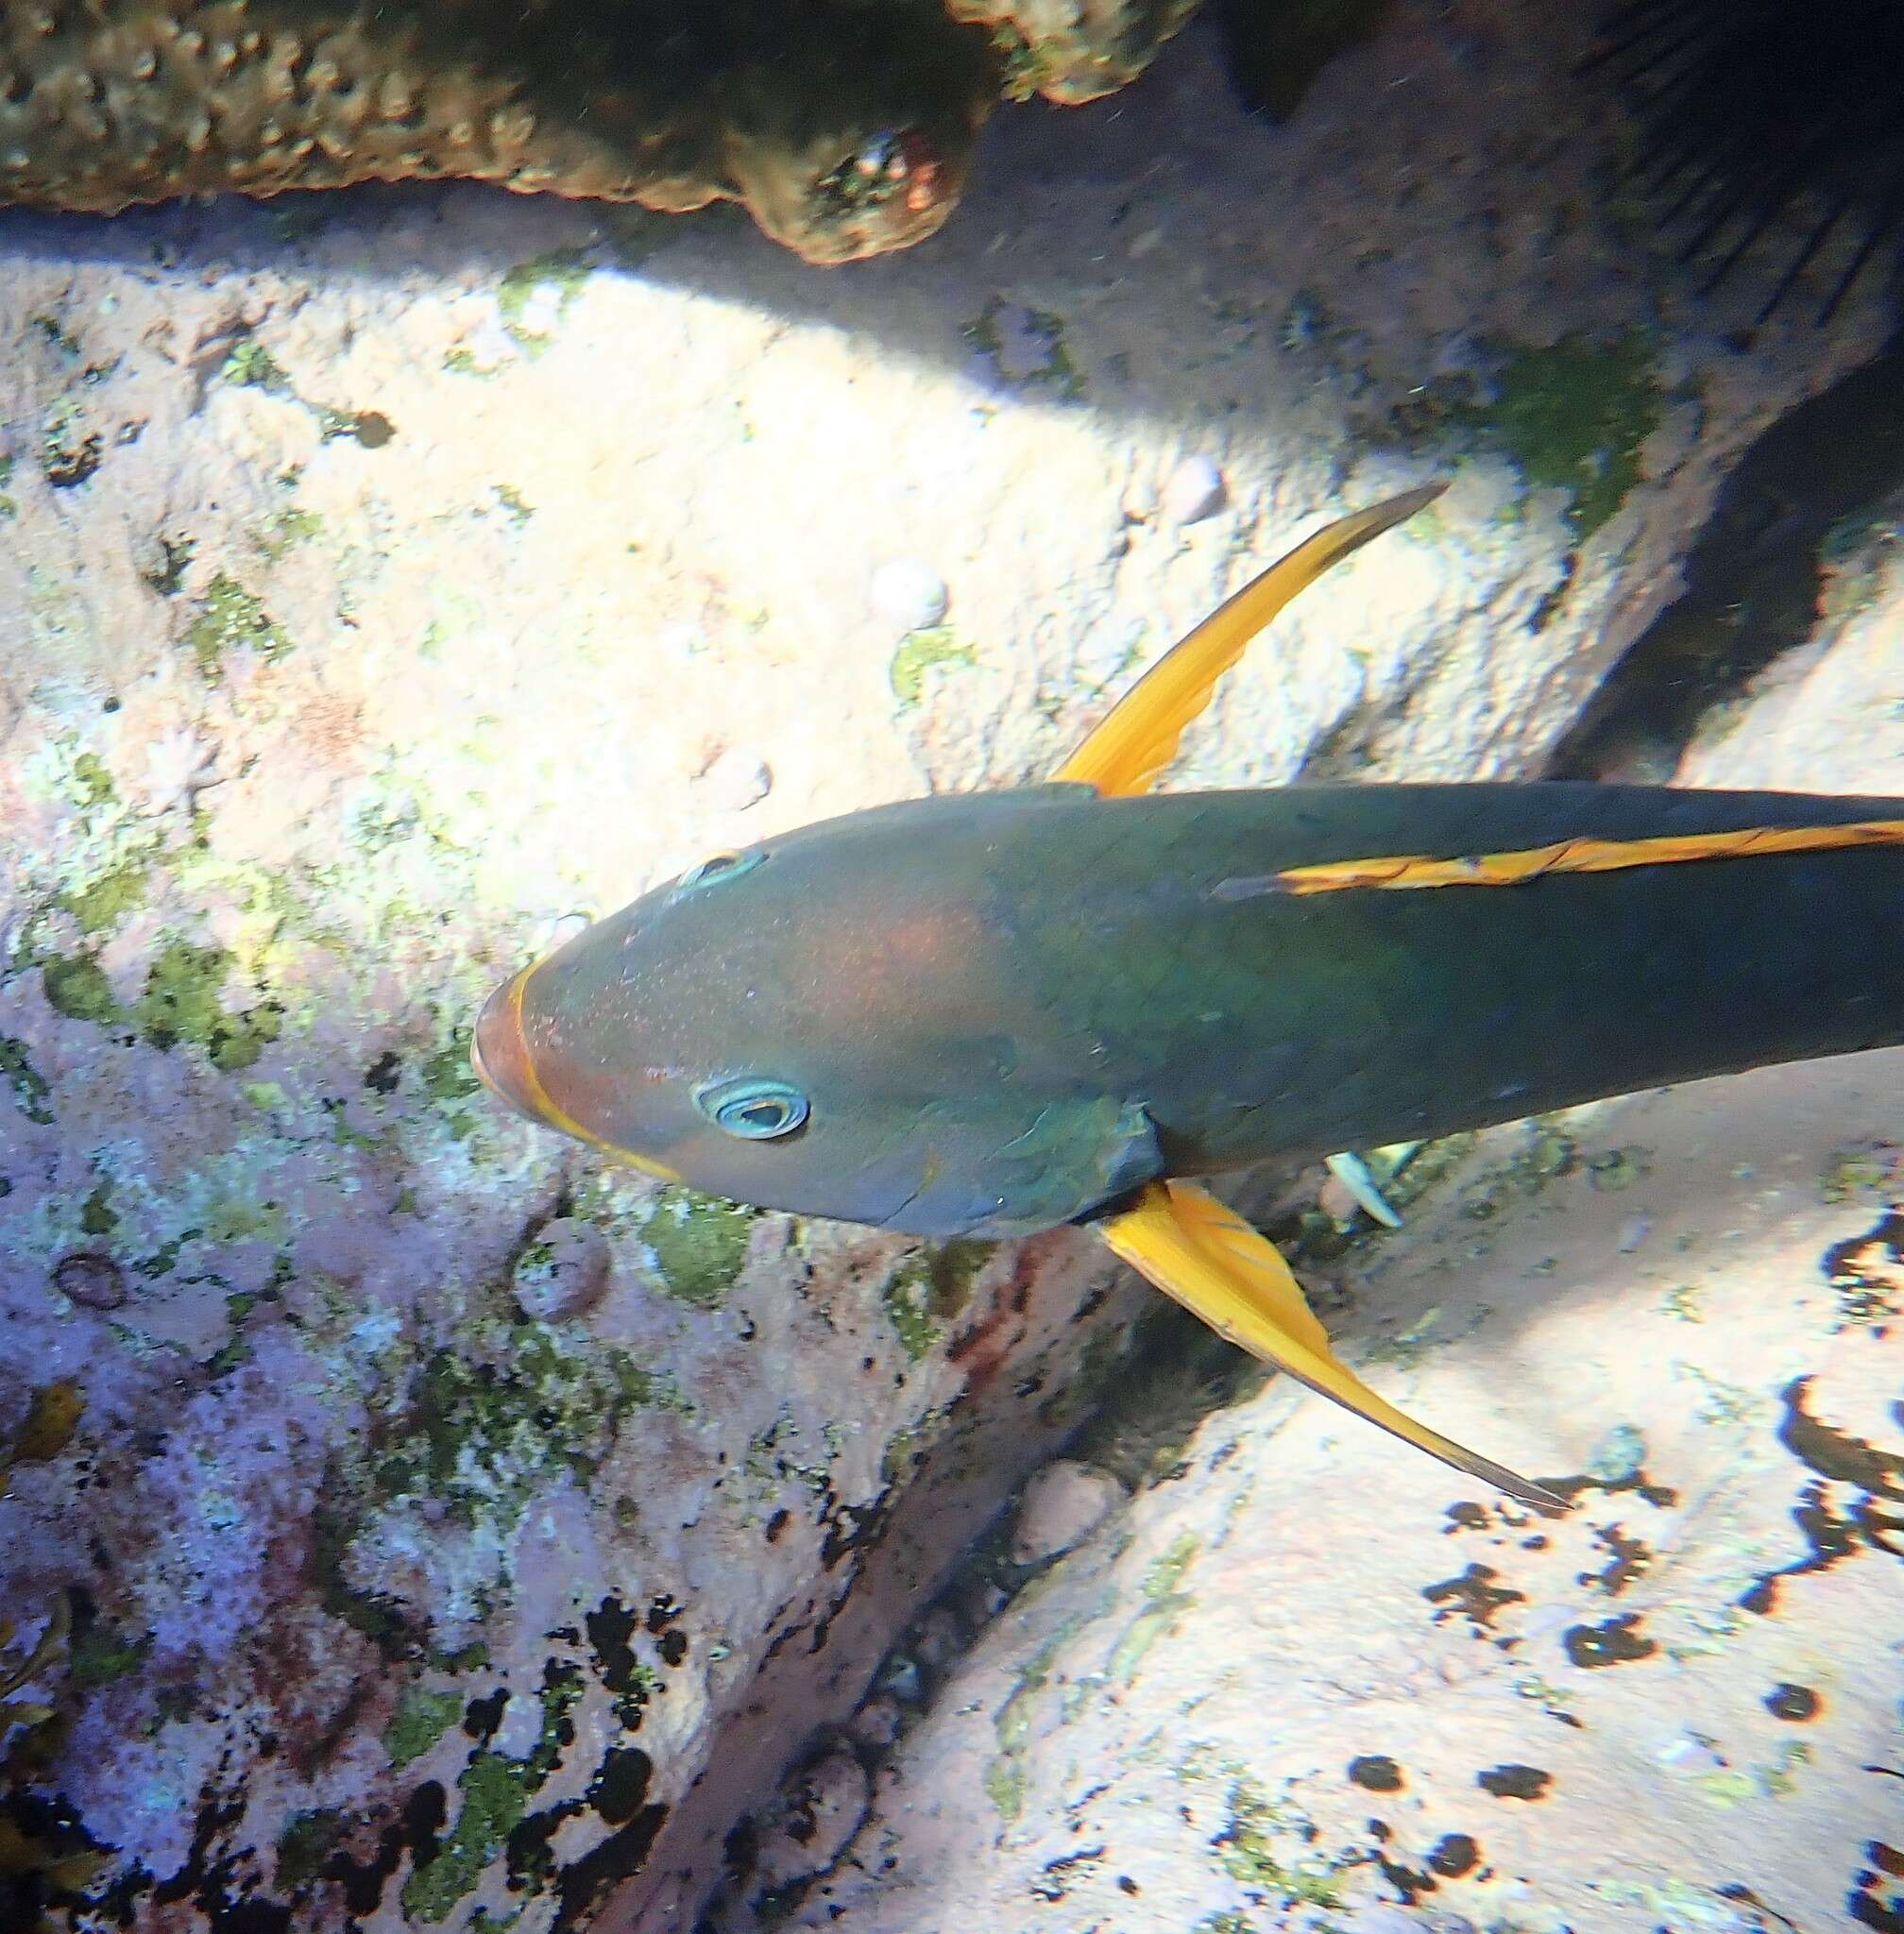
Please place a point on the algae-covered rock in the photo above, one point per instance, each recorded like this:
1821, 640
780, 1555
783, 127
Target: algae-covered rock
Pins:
1073, 51
845, 129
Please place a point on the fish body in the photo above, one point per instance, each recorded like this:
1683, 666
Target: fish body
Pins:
989, 1015
1005, 1010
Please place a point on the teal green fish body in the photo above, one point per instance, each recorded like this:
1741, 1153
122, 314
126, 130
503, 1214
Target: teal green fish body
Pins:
1004, 1010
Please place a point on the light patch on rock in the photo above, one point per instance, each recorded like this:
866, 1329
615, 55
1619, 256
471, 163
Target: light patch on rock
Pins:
909, 594
1062, 1505
1193, 491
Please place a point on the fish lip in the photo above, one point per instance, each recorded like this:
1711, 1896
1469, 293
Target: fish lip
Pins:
476, 1066
499, 1055
500, 1059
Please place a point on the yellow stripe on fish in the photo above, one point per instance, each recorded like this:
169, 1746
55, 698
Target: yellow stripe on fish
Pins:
1407, 872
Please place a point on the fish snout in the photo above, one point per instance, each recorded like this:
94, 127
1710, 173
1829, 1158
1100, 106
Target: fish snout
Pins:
499, 1052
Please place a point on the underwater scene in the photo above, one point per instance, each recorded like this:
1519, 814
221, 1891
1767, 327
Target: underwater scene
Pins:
951, 966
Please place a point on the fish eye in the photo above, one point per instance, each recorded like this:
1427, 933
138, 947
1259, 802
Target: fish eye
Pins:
717, 868
753, 1108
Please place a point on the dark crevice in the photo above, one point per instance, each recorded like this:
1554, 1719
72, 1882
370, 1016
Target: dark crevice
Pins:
1753, 576
1275, 53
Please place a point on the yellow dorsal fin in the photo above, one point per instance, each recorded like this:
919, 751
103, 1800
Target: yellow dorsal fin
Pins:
1219, 1268
1139, 736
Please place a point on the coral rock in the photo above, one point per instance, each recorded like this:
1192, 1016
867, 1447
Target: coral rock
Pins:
846, 130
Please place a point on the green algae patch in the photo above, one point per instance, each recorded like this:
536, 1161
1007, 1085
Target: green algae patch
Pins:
180, 1003
929, 1287
1027, 347
420, 1720
101, 1656
97, 1213
71, 449
231, 618
918, 652
101, 906
700, 1245
251, 365
1615, 1169
1573, 415
952, 1267
512, 503
563, 270
496, 1792
27, 1086
284, 530
91, 782
306, 1844
1004, 1780
1262, 1845
51, 1418
1855, 1171
1247, 1855
482, 1435
79, 990
1155, 1621
1163, 1607
448, 1076
494, 1801
902, 1302
449, 1080
1167, 1574
1548, 1154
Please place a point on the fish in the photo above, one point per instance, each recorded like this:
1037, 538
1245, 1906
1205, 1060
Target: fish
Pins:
988, 1014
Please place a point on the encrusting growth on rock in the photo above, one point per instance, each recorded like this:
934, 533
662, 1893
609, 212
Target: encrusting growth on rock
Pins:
846, 130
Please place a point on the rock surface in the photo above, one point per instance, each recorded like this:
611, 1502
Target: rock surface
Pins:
1313, 1684
378, 575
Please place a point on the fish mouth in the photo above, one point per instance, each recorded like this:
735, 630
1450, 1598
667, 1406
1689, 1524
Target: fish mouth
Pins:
498, 1053
500, 1060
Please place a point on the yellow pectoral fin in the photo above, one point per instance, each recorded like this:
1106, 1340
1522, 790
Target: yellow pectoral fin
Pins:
1219, 1268
1140, 735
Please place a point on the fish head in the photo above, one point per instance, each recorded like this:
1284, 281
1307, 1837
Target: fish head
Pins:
827, 1023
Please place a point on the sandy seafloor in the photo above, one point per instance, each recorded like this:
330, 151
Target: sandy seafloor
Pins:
452, 1531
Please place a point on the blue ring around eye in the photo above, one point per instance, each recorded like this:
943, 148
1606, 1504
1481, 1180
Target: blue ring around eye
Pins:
753, 1108
716, 870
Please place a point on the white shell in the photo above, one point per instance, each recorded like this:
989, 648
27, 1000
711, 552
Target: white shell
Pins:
909, 595
1193, 491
